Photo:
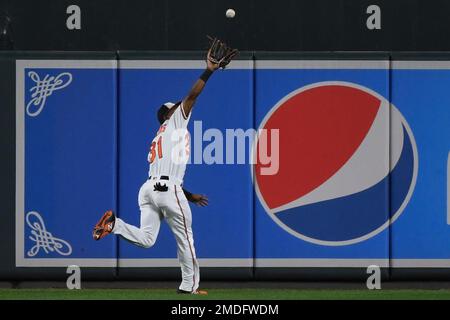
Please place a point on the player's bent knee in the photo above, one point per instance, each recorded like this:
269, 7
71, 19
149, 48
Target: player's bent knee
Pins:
148, 244
148, 241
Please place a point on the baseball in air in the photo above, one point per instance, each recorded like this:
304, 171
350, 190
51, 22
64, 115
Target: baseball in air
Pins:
230, 13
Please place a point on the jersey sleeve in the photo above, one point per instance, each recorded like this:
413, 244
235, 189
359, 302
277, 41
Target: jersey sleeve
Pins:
179, 118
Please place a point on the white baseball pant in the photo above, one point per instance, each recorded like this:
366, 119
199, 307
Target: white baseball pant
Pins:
172, 206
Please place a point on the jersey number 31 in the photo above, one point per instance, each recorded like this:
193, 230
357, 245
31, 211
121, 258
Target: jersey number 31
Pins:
153, 151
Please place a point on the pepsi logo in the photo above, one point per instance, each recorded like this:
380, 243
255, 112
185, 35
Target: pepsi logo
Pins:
347, 164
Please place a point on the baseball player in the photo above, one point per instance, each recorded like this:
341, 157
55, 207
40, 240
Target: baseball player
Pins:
162, 196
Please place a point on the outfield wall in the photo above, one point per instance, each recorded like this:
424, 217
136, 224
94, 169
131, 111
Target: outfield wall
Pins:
362, 176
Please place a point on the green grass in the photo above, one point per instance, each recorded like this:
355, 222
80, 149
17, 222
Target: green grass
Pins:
223, 294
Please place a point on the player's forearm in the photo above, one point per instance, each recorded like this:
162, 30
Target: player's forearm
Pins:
190, 99
198, 86
187, 194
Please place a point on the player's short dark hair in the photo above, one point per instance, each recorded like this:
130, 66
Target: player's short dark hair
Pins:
162, 112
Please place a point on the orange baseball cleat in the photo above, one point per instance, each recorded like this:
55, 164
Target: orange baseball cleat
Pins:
200, 292
104, 226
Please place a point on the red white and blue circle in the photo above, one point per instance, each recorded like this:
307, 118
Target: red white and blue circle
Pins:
341, 148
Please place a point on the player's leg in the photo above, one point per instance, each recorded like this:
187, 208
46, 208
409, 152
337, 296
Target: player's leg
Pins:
178, 216
146, 235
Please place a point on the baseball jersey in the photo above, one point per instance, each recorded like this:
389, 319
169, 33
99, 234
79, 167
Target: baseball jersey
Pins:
170, 149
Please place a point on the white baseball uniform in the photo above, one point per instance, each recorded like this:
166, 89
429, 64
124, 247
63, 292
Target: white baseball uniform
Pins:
168, 156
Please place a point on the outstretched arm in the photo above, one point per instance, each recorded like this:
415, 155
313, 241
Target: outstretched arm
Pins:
219, 56
198, 199
189, 100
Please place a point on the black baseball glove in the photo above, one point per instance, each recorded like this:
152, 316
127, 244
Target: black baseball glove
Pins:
220, 53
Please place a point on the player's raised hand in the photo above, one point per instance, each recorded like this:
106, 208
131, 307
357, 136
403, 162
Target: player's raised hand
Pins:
211, 64
219, 54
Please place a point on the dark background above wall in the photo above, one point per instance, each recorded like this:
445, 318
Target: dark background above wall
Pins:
287, 25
